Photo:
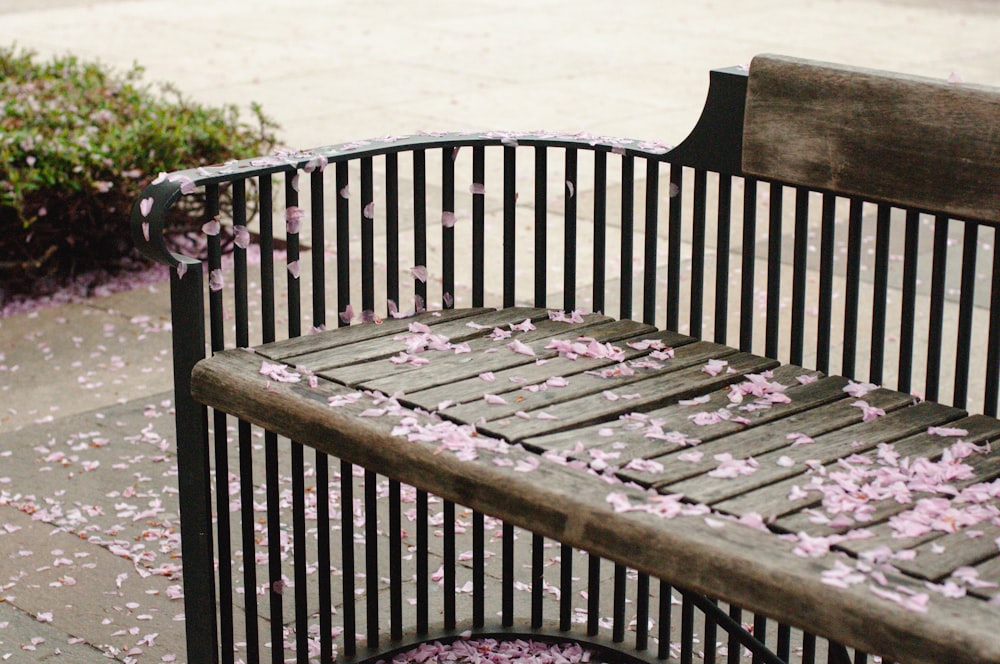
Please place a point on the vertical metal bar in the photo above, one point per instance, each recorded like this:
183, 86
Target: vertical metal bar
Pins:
343, 240
642, 612
318, 252
853, 288
880, 294
699, 217
395, 562
724, 218
347, 557
569, 235
240, 296
708, 638
565, 587
759, 633
773, 316
824, 332
265, 214
993, 346
541, 225
478, 569
419, 222
221, 437
784, 651
187, 306
800, 254
371, 557
509, 223
507, 578
747, 264
423, 579
628, 214
649, 251
618, 609
673, 246
966, 302
936, 322
600, 230
687, 630
478, 225
537, 578
907, 323
448, 156
367, 239
666, 601
297, 451
593, 594
392, 226
270, 438
449, 565
733, 646
324, 566
808, 648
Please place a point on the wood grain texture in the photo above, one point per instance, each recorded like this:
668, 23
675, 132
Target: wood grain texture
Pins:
731, 562
906, 140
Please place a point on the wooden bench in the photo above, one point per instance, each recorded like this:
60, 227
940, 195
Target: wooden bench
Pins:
724, 470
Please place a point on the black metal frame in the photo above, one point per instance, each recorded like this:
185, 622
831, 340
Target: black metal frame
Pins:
706, 167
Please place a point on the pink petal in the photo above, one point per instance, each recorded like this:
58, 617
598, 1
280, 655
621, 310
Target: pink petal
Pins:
145, 206
293, 269
293, 218
477, 188
369, 211
521, 348
448, 219
215, 281
419, 273
212, 227
242, 237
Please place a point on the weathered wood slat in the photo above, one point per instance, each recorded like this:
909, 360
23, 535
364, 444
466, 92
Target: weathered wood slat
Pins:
288, 348
980, 429
509, 380
377, 346
390, 377
913, 141
937, 559
652, 392
585, 384
728, 561
989, 571
771, 436
727, 494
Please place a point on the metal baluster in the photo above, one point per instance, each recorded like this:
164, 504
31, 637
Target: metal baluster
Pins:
367, 239
507, 580
724, 218
642, 612
993, 347
618, 610
799, 266
907, 323
419, 222
449, 565
600, 230
733, 646
699, 216
593, 594
478, 226
773, 314
709, 636
784, 650
509, 223
628, 214
966, 306
852, 290
747, 264
448, 157
347, 556
565, 587
936, 322
541, 225
687, 629
423, 578
395, 562
569, 235
666, 607
343, 240
649, 250
537, 578
392, 227
371, 557
824, 329
478, 569
674, 238
759, 633
880, 294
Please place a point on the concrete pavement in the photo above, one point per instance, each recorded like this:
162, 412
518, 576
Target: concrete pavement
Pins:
86, 464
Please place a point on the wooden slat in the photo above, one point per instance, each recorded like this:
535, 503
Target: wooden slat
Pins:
586, 384
289, 348
980, 429
736, 564
989, 571
658, 390
509, 380
912, 141
772, 436
726, 494
390, 378
968, 547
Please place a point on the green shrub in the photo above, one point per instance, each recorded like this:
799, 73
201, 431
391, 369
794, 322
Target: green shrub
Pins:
78, 142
